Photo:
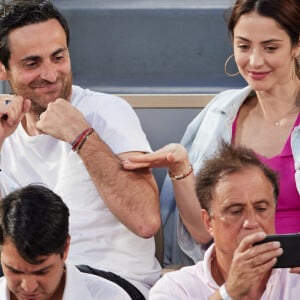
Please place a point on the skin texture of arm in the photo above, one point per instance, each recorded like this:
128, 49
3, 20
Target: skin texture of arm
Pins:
175, 158
132, 196
190, 209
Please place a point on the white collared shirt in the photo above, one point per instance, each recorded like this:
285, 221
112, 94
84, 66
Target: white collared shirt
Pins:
80, 286
196, 282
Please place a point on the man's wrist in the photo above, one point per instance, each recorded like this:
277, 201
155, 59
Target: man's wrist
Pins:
223, 293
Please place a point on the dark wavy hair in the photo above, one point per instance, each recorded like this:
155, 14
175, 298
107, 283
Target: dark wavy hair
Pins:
36, 221
18, 13
285, 12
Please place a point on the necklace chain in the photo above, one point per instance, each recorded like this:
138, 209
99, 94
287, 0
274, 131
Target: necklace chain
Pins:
295, 109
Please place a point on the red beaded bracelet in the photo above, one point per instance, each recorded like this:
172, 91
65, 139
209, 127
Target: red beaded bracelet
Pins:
84, 139
81, 138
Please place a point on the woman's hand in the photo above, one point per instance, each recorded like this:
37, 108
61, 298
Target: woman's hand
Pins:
172, 156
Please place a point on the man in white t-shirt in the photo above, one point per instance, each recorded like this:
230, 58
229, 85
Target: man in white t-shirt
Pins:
238, 197
74, 140
34, 240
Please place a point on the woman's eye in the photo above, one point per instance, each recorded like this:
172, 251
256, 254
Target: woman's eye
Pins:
243, 47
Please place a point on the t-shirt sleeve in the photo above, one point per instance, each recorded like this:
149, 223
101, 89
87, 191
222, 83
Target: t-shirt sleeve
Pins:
118, 125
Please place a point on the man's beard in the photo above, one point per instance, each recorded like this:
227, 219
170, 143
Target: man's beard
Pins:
38, 103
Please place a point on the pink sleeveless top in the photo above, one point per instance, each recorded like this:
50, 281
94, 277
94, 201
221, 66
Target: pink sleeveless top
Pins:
287, 219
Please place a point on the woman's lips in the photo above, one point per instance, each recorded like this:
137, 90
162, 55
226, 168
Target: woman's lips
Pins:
258, 75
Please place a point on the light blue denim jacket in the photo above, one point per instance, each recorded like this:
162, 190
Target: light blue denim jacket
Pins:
201, 139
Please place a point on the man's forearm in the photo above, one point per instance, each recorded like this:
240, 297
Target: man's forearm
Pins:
132, 196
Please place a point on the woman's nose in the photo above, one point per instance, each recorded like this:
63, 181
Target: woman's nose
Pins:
256, 59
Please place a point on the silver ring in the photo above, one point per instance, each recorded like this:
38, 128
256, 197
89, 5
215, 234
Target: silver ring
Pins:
7, 102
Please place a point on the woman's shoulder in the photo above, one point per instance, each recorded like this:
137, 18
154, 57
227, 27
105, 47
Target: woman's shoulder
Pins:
232, 94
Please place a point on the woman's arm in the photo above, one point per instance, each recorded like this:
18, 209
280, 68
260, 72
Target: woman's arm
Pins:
174, 157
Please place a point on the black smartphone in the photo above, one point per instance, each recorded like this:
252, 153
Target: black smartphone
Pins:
290, 243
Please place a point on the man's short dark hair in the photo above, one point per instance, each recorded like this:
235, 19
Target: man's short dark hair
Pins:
36, 221
228, 160
18, 13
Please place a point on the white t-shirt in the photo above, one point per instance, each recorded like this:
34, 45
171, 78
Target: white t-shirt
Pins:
80, 286
197, 283
98, 238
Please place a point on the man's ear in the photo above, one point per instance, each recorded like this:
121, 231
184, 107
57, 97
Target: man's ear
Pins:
207, 221
2, 72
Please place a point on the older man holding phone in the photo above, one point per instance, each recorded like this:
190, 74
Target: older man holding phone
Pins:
238, 197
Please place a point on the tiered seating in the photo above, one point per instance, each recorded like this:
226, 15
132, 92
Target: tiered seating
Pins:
149, 46
144, 48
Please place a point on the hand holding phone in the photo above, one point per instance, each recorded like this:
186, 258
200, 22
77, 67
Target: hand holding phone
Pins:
290, 243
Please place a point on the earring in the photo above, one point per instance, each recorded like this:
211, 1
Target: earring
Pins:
225, 67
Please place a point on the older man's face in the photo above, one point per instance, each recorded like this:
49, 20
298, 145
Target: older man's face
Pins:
243, 203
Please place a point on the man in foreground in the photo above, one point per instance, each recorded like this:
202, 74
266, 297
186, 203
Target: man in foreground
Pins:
34, 241
238, 197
